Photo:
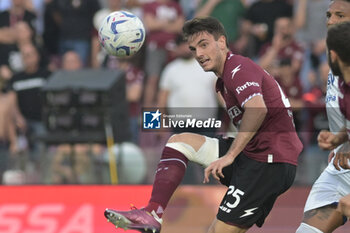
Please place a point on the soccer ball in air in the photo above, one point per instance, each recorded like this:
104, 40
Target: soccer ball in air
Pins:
121, 34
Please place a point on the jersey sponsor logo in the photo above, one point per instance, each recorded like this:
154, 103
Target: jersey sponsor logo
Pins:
331, 98
330, 80
239, 89
235, 70
233, 112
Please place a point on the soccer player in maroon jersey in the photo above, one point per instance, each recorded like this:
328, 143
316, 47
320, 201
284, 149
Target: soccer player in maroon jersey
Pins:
257, 166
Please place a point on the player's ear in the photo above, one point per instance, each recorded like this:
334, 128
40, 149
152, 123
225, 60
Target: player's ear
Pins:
222, 42
333, 55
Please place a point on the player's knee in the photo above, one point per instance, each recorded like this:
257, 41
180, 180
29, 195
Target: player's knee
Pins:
306, 228
202, 151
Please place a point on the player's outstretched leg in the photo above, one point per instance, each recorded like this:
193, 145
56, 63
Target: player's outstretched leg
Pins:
170, 171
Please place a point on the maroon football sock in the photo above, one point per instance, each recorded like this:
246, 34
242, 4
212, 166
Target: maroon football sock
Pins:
170, 171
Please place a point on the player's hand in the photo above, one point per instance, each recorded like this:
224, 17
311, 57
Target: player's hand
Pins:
215, 168
341, 157
326, 140
344, 206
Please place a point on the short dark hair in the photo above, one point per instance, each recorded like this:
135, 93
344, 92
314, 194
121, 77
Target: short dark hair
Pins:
338, 38
204, 24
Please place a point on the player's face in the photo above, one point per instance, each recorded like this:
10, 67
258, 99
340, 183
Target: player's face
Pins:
338, 11
207, 51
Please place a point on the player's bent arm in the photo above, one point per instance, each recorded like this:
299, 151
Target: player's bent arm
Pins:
329, 141
254, 114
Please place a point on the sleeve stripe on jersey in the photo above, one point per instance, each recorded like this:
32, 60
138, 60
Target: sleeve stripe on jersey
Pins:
249, 97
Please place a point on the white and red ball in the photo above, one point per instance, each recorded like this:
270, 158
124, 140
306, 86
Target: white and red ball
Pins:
121, 34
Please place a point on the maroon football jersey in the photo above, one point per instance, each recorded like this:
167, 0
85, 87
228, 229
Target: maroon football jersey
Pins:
276, 140
344, 103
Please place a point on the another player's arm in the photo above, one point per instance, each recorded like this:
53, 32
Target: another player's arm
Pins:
344, 205
329, 141
254, 114
342, 156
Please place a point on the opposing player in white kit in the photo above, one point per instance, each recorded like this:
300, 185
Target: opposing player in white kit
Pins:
339, 60
320, 213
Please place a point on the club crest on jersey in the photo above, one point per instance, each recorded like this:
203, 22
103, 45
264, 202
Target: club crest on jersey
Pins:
234, 112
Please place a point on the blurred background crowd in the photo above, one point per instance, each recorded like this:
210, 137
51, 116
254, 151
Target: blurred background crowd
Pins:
39, 38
